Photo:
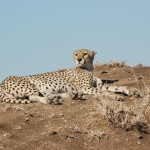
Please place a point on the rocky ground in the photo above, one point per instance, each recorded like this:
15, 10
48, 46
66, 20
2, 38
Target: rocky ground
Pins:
78, 125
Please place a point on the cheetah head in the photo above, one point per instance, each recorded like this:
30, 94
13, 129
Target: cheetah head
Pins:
83, 58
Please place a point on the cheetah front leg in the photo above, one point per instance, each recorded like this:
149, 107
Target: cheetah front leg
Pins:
49, 99
55, 99
58, 98
74, 93
68, 91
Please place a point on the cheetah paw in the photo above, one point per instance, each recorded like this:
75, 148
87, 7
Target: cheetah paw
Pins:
76, 95
134, 92
55, 100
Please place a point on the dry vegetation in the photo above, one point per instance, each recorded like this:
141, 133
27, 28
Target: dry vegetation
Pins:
111, 63
128, 116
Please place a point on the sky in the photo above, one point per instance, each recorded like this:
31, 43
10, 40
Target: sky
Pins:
39, 36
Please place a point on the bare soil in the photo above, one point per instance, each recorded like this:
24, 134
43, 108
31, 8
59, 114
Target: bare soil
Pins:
74, 125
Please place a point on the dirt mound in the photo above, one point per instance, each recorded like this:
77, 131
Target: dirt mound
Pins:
78, 125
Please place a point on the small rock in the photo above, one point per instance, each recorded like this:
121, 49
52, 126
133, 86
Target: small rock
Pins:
78, 131
52, 133
61, 114
139, 77
53, 115
27, 119
31, 115
85, 144
65, 120
140, 137
72, 136
18, 128
139, 143
104, 71
7, 135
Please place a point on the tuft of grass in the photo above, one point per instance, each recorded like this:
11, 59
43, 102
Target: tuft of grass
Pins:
125, 116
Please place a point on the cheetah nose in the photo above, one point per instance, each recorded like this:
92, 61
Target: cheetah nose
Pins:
79, 59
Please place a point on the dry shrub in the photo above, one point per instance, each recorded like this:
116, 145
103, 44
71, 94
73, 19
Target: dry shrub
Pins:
129, 117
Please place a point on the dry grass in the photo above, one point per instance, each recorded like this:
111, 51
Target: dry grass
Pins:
123, 115
111, 63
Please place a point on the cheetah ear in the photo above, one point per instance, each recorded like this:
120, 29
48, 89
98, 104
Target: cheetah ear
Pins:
92, 54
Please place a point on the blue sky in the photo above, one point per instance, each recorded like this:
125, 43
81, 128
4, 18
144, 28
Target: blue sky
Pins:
40, 35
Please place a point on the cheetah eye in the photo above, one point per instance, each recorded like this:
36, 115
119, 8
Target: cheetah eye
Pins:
75, 54
85, 54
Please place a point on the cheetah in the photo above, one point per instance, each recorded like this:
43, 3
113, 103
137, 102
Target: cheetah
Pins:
52, 87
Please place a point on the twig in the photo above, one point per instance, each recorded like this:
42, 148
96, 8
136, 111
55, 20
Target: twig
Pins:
135, 78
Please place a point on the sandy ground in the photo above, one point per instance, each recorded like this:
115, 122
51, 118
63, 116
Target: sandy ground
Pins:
74, 125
